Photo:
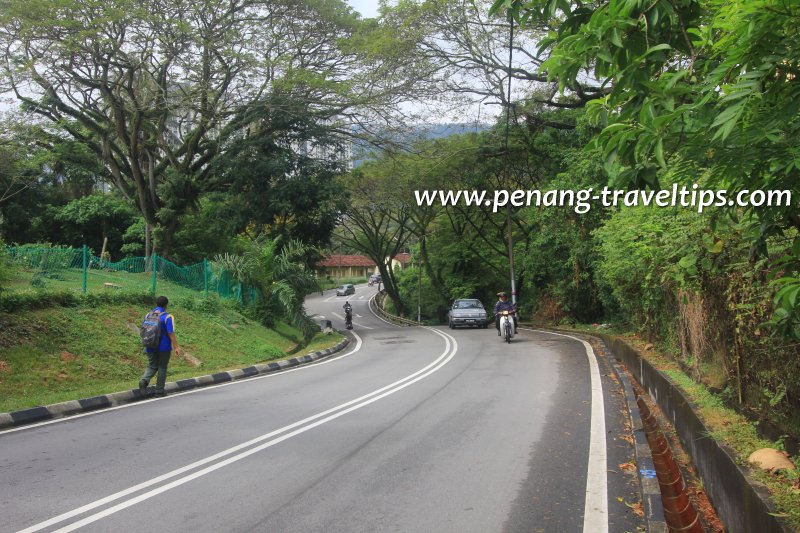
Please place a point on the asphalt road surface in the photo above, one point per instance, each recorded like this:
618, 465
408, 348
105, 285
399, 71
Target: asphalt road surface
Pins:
407, 430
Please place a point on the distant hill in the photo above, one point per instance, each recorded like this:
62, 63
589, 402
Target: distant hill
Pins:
437, 131
363, 150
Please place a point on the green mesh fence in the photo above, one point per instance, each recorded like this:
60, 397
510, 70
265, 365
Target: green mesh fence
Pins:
58, 267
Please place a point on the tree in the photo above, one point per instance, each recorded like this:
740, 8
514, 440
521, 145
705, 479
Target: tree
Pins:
13, 180
376, 224
273, 185
281, 277
98, 220
469, 49
152, 87
706, 90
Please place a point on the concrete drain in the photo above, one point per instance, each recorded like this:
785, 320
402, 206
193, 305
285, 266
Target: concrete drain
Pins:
679, 513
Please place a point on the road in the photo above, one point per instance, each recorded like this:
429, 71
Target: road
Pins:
408, 429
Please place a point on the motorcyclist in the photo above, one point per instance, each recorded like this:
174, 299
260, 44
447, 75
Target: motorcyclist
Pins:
504, 305
348, 314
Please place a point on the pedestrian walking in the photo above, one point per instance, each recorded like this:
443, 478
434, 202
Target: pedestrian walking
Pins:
158, 335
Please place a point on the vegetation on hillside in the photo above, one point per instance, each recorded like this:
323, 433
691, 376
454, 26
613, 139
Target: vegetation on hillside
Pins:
77, 347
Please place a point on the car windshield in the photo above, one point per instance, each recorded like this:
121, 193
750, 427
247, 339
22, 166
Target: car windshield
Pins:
468, 304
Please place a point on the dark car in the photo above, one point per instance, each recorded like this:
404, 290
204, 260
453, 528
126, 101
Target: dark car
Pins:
467, 312
344, 290
375, 278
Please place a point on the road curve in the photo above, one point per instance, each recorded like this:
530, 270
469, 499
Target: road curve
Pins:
410, 429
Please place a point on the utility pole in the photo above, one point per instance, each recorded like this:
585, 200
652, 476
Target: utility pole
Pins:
505, 166
419, 280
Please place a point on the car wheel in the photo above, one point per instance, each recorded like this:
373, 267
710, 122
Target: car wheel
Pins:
450, 324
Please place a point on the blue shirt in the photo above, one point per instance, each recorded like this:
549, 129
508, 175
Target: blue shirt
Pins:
167, 326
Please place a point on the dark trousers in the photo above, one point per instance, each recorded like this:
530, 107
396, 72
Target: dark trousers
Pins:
157, 362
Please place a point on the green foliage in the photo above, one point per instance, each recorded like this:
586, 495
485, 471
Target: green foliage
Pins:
563, 254
205, 231
691, 92
12, 302
647, 254
39, 174
5, 267
272, 186
786, 320
91, 219
420, 293
221, 132
281, 278
133, 239
377, 222
699, 89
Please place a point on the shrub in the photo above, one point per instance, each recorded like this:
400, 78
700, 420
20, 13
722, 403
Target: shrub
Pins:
42, 299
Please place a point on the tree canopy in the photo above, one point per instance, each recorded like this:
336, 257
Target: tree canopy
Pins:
159, 92
704, 90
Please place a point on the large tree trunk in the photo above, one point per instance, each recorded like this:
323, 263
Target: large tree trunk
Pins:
147, 238
436, 280
390, 286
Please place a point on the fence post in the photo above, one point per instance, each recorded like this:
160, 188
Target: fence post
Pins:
155, 270
205, 275
85, 265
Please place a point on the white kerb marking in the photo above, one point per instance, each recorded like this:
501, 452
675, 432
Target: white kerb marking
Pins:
595, 514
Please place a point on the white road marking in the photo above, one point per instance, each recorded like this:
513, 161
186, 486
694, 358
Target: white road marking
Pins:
298, 427
595, 515
362, 326
376, 315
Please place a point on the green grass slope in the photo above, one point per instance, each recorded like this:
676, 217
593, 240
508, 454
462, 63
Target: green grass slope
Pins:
56, 354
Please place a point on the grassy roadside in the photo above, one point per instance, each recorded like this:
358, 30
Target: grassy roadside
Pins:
96, 280
725, 426
57, 354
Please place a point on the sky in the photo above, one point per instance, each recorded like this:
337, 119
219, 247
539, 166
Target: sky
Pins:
367, 8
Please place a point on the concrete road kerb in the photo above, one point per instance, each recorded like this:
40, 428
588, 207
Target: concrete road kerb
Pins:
59, 410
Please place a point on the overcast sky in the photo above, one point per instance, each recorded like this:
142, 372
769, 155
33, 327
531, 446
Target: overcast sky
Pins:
367, 8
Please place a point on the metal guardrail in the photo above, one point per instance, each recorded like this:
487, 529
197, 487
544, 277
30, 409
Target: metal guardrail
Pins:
377, 308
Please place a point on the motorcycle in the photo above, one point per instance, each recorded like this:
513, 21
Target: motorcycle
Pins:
348, 317
507, 325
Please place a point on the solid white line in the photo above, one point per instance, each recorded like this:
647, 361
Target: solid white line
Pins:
376, 315
205, 388
595, 516
447, 355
